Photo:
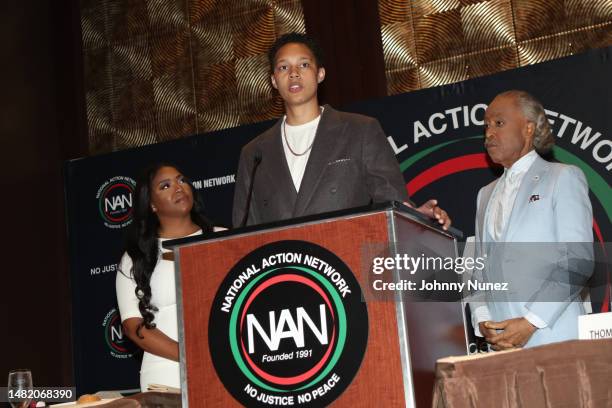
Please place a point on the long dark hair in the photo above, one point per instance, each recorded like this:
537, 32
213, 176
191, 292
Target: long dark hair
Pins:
142, 239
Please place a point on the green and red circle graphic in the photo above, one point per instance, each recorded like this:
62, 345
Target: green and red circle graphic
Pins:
433, 165
117, 342
471, 161
115, 198
288, 326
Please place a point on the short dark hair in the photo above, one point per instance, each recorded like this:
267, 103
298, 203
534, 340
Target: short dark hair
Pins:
300, 38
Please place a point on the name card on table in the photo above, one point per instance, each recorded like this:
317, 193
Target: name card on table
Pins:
595, 326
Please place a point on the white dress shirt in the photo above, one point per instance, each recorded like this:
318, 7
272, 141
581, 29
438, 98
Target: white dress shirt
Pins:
502, 199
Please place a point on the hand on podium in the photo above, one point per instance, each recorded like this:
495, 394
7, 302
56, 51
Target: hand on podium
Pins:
431, 210
507, 334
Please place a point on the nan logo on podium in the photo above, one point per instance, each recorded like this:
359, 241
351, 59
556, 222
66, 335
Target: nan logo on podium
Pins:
288, 326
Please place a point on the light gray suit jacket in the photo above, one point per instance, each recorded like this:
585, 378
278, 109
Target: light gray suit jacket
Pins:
552, 206
351, 164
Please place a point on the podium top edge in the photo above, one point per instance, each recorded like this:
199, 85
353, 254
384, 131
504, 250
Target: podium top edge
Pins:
396, 206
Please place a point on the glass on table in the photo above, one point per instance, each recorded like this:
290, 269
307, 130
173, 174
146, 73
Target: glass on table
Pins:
20, 388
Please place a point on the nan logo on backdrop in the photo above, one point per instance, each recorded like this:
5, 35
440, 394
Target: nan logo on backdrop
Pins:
115, 198
288, 326
119, 346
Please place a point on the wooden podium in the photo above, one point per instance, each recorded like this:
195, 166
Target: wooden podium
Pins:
404, 338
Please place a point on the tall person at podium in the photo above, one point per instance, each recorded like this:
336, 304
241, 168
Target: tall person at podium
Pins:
315, 159
165, 207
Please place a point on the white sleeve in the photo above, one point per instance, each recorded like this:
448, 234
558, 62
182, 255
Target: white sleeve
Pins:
535, 320
126, 290
479, 314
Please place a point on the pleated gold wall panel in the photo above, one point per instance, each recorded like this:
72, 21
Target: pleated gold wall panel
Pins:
436, 42
162, 69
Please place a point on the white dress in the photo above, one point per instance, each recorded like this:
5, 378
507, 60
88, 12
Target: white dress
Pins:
154, 369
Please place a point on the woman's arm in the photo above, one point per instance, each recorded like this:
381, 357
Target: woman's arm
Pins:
153, 341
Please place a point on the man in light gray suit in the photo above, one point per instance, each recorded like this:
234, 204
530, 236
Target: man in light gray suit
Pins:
534, 201
315, 159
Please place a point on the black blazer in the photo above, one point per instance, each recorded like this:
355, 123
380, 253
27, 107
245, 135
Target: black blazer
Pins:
351, 164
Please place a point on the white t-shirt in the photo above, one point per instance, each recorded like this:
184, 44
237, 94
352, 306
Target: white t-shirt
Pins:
300, 139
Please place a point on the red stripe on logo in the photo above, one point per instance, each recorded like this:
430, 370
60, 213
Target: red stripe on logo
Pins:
456, 165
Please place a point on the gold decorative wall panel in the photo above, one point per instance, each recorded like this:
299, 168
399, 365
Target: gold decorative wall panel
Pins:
435, 42
162, 69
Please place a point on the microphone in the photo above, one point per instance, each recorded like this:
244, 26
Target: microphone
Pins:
256, 162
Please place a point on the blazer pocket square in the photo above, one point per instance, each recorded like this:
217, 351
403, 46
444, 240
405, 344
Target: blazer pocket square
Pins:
339, 161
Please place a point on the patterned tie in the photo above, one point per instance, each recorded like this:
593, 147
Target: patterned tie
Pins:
503, 206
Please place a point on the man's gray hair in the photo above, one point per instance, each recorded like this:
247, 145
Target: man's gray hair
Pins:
543, 139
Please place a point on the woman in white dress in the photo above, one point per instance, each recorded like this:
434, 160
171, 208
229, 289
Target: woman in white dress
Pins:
164, 208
